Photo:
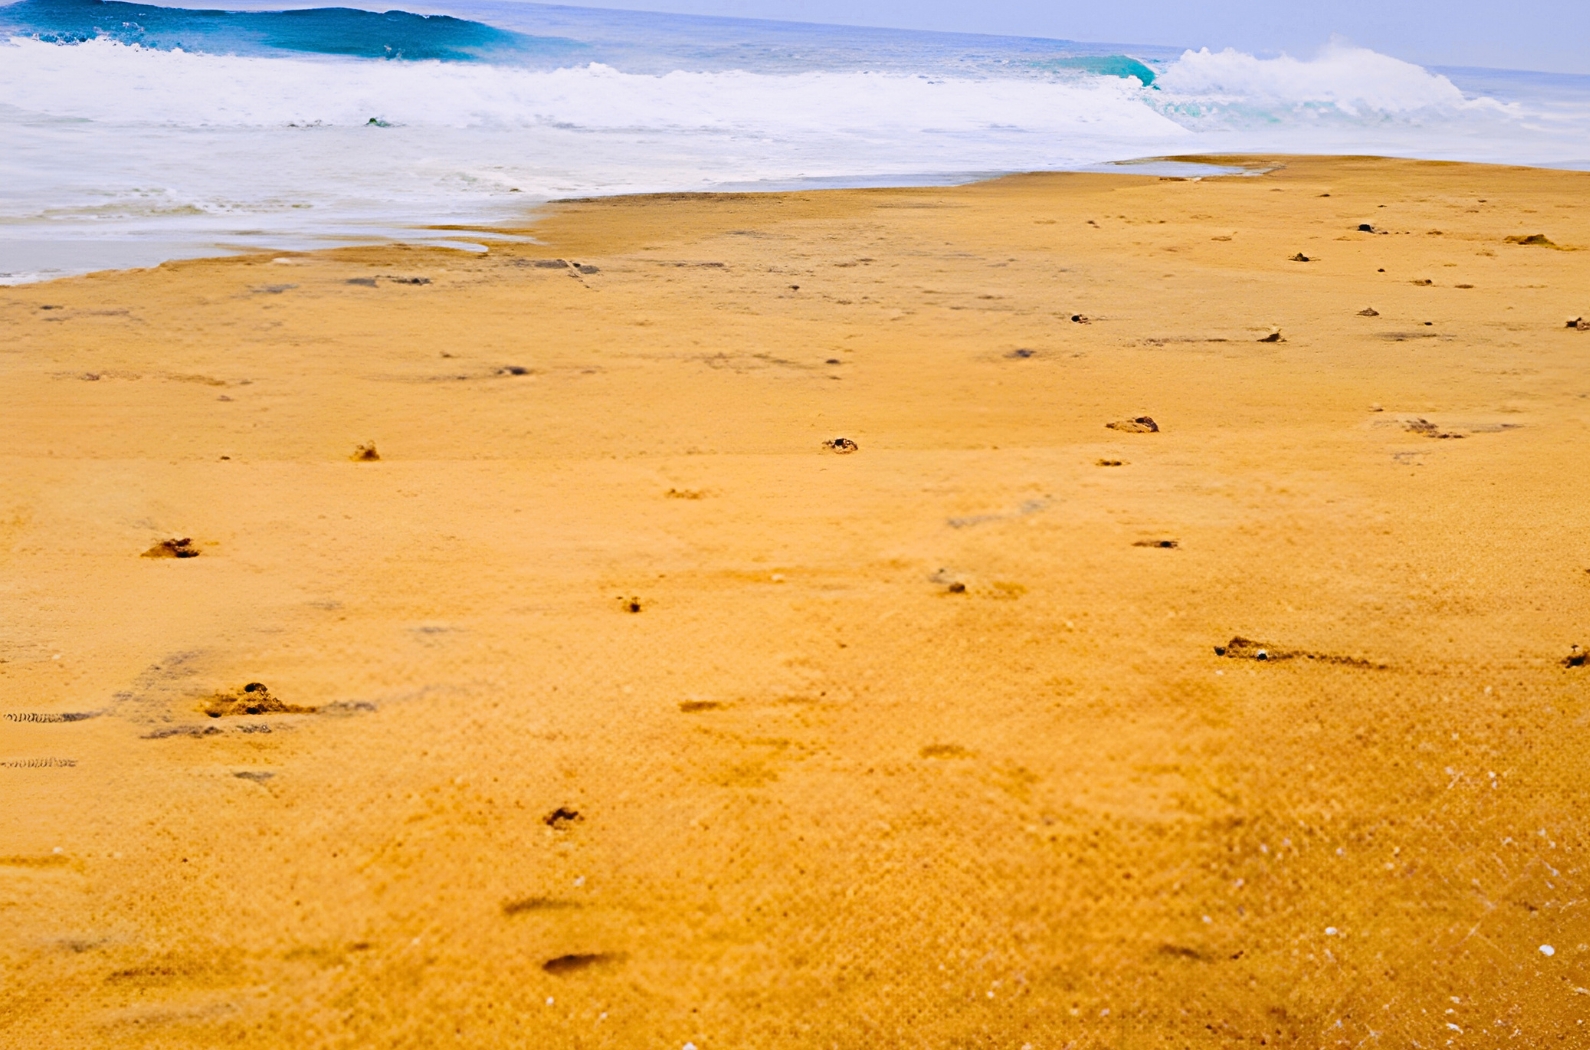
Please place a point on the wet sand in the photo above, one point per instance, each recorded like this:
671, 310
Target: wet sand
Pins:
605, 706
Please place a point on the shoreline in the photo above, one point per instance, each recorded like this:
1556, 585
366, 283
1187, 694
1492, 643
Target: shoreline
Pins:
514, 228
813, 618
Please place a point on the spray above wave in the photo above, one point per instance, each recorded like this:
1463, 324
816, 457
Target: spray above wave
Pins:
1346, 81
326, 31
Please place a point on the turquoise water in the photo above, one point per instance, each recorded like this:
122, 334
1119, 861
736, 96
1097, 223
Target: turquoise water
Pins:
324, 31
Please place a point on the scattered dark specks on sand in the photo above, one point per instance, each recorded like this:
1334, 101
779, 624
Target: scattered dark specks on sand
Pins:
167, 732
945, 751
1022, 353
253, 699
181, 548
1575, 658
630, 604
685, 494
561, 818
348, 707
1428, 429
38, 763
841, 445
567, 964
1136, 425
1369, 311
1300, 257
1109, 462
1422, 282
365, 453
692, 706
1165, 544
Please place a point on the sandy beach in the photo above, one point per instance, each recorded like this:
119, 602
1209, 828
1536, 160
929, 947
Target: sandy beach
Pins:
1068, 610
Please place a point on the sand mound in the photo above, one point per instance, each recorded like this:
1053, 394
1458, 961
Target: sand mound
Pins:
253, 699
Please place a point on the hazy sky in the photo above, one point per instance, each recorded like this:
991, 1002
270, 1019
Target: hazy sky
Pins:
1516, 34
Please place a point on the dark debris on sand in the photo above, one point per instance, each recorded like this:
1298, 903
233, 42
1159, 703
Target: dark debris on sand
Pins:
1428, 429
182, 548
365, 453
1136, 425
1240, 648
841, 445
562, 818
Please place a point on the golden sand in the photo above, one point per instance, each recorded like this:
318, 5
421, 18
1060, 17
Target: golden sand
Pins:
605, 706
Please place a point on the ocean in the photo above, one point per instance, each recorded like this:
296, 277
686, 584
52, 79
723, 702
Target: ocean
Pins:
134, 133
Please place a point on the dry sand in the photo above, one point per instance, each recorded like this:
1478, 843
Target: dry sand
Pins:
922, 745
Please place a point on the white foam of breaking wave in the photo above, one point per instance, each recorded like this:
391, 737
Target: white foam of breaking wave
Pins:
1355, 81
114, 83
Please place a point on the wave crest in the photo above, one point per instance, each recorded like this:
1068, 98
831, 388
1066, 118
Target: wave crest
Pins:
1354, 81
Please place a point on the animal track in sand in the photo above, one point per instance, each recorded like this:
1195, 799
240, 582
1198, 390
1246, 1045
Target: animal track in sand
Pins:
182, 548
253, 699
50, 716
1240, 648
1137, 425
